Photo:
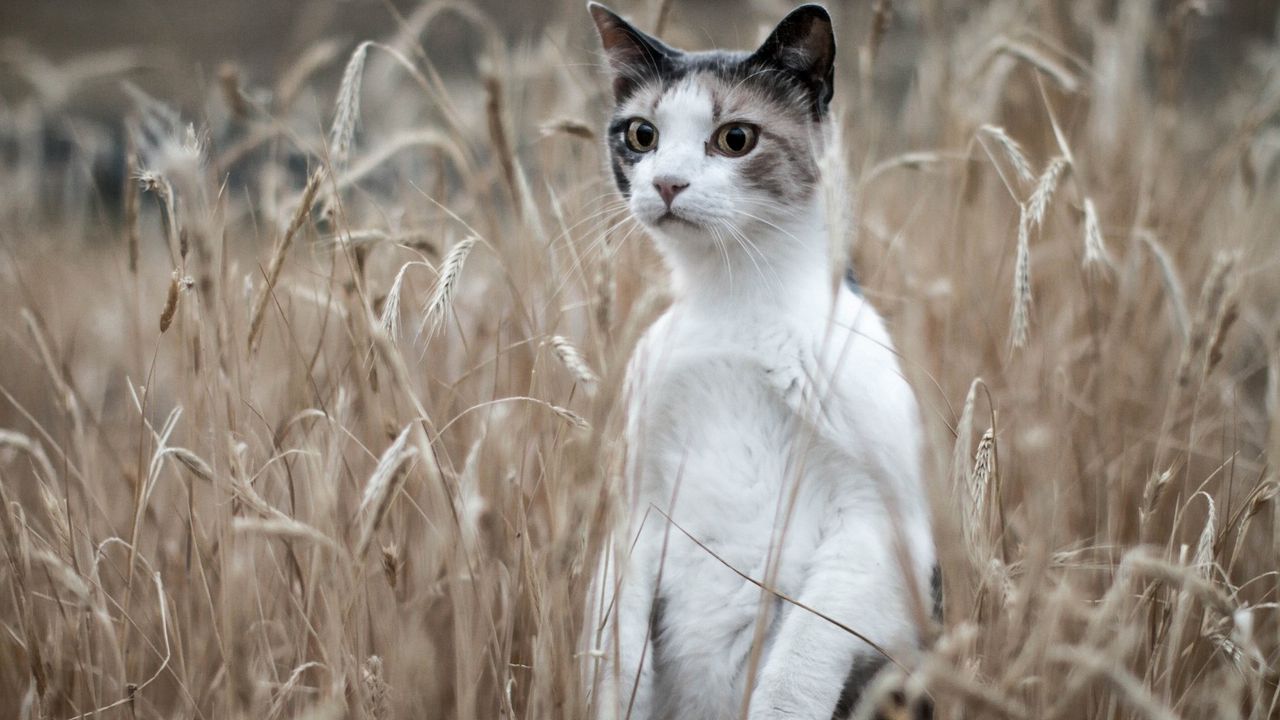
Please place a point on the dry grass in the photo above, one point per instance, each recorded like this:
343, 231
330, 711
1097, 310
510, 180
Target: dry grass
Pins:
352, 521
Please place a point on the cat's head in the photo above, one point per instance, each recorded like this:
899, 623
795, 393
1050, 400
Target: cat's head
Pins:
705, 141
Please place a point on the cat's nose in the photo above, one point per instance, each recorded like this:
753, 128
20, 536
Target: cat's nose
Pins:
669, 188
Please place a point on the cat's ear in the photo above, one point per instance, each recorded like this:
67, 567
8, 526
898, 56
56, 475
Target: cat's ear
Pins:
633, 56
804, 45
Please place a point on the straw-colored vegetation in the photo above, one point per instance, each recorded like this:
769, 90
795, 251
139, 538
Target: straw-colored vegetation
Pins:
317, 415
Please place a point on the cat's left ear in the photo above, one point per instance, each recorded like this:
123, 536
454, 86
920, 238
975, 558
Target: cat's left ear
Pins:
804, 45
634, 56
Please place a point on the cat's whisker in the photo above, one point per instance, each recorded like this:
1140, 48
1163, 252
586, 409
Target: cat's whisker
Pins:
753, 251
751, 244
724, 250
782, 210
596, 218
574, 272
785, 233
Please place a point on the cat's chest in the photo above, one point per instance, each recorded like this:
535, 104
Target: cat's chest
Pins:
713, 405
718, 444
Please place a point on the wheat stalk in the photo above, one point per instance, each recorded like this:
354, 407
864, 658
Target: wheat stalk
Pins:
1039, 60
287, 689
131, 199
279, 254
1173, 286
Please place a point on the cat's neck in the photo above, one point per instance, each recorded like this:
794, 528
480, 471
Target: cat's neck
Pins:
772, 269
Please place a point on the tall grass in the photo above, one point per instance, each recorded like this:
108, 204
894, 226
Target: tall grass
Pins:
237, 483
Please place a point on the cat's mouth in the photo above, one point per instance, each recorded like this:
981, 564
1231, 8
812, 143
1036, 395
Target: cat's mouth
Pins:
669, 217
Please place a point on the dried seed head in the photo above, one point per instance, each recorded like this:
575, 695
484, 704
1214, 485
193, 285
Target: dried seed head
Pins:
390, 318
571, 416
58, 520
1095, 249
347, 113
1038, 205
281, 525
1204, 556
1151, 492
441, 299
574, 362
377, 701
982, 466
1210, 309
568, 126
606, 286
382, 486
1012, 150
170, 303
191, 462
391, 564
1021, 323
1226, 318
1263, 496
976, 535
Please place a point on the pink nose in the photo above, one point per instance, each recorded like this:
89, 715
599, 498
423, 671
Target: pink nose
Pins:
669, 189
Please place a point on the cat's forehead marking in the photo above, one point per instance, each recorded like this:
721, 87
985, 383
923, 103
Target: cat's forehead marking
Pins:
703, 91
684, 102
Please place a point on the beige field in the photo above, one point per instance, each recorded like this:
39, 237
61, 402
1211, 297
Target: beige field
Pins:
317, 414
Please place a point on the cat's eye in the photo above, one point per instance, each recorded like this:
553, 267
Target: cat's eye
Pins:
642, 136
736, 139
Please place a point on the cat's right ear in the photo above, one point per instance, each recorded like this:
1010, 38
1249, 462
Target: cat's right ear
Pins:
634, 57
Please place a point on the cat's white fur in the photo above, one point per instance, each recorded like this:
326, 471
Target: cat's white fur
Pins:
769, 418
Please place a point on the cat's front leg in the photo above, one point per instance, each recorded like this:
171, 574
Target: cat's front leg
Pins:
854, 578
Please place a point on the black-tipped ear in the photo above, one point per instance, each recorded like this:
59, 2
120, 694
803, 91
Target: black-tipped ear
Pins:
804, 45
633, 55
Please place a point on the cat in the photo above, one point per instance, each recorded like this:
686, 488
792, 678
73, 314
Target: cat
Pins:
771, 433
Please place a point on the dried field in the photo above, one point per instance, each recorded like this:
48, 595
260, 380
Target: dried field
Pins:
308, 393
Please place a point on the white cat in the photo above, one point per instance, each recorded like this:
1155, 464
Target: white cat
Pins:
770, 430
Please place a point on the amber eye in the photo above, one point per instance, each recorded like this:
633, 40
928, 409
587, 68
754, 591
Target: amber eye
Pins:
642, 136
736, 139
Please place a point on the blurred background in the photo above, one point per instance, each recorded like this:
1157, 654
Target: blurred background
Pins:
178, 50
